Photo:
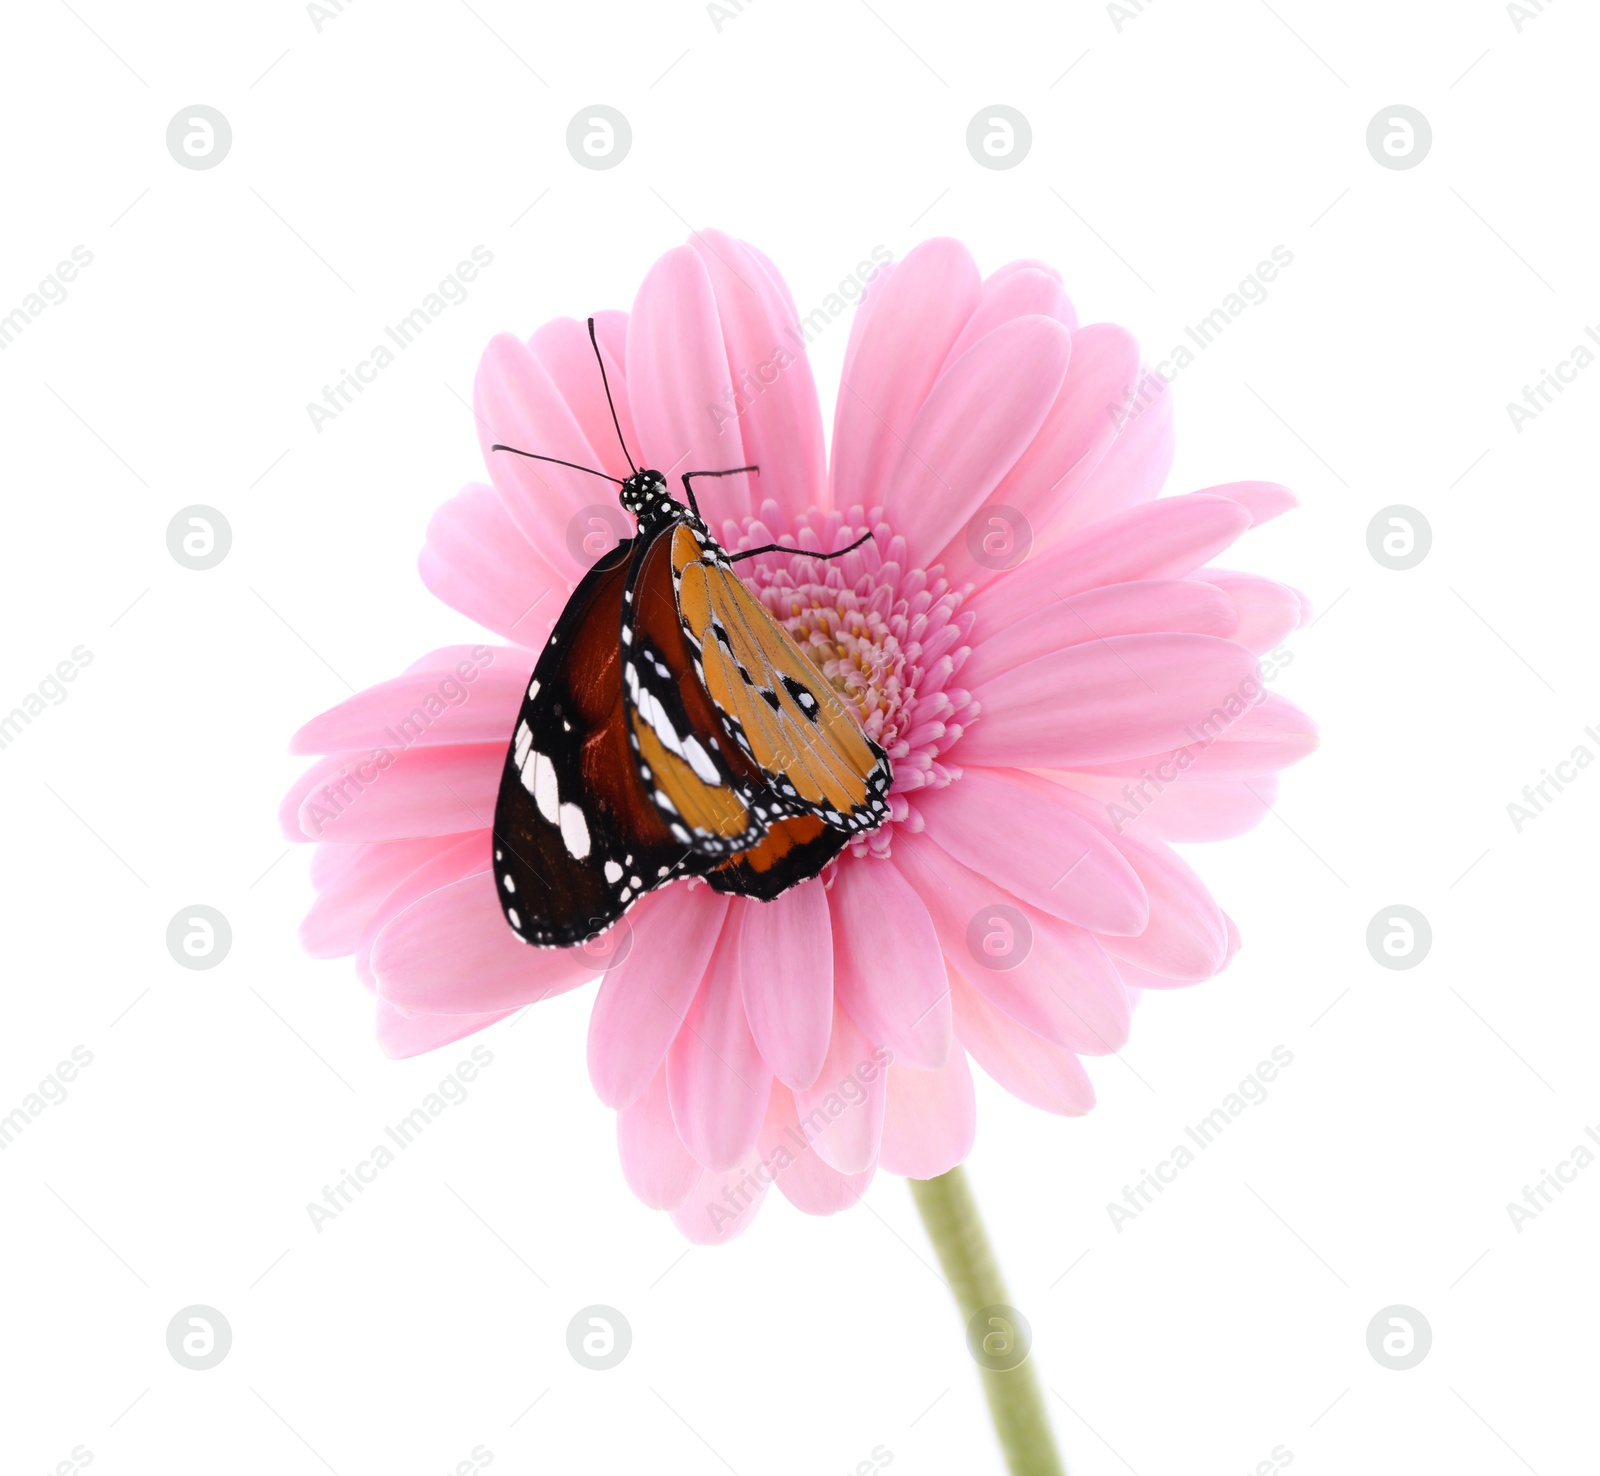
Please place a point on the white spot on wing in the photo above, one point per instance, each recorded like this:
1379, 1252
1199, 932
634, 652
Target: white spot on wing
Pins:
544, 787
574, 831
700, 760
613, 872
524, 743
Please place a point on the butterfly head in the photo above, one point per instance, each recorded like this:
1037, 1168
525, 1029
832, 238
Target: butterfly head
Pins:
645, 494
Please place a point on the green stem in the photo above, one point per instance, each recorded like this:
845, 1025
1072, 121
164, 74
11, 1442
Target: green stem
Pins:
950, 1214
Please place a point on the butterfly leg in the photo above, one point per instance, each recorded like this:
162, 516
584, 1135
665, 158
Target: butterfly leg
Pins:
688, 491
838, 553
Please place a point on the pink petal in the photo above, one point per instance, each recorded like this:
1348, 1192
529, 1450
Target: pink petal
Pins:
841, 1113
716, 1080
1270, 735
463, 856
1187, 937
888, 972
1263, 500
475, 702
679, 372
348, 896
1050, 976
800, 1174
1062, 309
929, 1119
1014, 829
517, 403
479, 562
1024, 291
780, 420
1121, 696
977, 420
562, 346
1184, 806
1266, 612
452, 952
1074, 437
786, 964
1135, 465
655, 1163
1159, 540
1140, 607
908, 325
721, 1207
644, 997
1030, 1068
420, 791
401, 1036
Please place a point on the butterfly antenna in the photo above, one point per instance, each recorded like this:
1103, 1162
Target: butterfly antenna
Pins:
609, 401
557, 461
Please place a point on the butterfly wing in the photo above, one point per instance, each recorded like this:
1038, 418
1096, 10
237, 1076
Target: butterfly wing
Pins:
711, 797
780, 709
576, 838
794, 849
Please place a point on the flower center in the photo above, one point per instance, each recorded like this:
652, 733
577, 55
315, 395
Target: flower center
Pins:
890, 638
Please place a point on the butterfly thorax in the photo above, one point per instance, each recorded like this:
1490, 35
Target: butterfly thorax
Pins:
645, 495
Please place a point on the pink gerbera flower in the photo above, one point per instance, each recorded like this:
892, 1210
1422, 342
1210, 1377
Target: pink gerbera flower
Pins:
1063, 683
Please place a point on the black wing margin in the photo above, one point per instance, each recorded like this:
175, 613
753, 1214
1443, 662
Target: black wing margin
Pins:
577, 841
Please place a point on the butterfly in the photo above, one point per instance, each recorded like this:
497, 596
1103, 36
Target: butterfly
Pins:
672, 728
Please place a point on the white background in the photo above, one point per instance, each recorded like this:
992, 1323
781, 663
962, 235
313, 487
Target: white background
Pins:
1168, 158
